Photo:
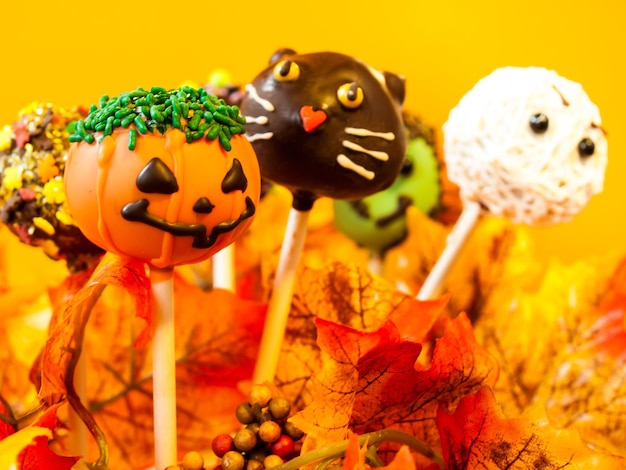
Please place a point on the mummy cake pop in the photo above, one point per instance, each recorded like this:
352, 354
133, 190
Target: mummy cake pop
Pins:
326, 124
33, 152
526, 144
322, 124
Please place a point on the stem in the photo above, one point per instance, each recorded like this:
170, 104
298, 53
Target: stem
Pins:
338, 449
73, 398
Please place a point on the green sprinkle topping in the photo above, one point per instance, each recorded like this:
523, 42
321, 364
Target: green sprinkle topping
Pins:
196, 113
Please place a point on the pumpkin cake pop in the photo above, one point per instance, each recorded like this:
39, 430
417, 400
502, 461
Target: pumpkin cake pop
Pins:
322, 124
524, 143
165, 177
33, 153
378, 222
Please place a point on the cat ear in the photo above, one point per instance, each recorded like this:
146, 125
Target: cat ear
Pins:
396, 86
280, 53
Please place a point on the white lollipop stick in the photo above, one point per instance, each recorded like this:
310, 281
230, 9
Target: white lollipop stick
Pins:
223, 266
163, 368
280, 301
433, 285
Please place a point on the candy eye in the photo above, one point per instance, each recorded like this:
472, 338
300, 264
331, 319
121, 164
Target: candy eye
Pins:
350, 95
586, 147
539, 123
407, 167
286, 71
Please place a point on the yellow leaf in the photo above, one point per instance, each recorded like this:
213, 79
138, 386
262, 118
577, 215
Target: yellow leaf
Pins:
11, 446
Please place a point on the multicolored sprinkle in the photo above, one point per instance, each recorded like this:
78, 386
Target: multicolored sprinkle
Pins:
195, 112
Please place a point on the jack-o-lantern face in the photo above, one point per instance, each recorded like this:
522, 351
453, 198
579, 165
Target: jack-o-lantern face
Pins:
167, 201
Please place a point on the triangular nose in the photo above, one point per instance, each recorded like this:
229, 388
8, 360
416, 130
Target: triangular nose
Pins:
312, 118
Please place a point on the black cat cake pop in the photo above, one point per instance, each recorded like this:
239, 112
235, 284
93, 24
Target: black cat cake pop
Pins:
326, 124
322, 124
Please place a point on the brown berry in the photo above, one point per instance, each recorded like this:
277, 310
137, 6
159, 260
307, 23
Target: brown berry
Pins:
272, 461
245, 440
254, 465
279, 407
269, 431
244, 413
193, 461
233, 461
260, 395
292, 431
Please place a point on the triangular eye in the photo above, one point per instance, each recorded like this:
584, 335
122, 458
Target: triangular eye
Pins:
235, 179
156, 177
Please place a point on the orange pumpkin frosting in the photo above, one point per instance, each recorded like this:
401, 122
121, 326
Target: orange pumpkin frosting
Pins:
162, 195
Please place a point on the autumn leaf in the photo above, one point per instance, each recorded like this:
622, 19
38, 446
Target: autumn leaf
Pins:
28, 448
478, 436
68, 322
372, 381
217, 336
7, 426
356, 454
584, 388
351, 296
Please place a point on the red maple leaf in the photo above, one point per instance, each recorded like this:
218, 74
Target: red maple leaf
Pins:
478, 436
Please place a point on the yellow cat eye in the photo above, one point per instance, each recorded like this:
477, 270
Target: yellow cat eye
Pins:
350, 95
286, 71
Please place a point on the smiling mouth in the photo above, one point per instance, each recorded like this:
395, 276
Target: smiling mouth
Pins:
138, 212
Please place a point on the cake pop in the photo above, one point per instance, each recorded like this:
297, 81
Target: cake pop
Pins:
166, 177
378, 222
33, 152
526, 144
322, 124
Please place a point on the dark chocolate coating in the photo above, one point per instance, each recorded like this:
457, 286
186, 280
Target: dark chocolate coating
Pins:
305, 159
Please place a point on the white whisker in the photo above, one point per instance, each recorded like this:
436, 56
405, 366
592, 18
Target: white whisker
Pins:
268, 106
358, 169
256, 119
259, 136
360, 132
383, 156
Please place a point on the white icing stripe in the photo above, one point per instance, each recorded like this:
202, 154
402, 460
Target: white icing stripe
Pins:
358, 169
383, 156
256, 120
265, 136
367, 133
255, 96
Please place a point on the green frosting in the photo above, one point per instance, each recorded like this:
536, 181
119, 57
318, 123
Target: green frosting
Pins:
378, 222
196, 113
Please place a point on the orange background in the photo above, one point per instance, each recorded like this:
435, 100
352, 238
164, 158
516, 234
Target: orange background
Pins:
73, 52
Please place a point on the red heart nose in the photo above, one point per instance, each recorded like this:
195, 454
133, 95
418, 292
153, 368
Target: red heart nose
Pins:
312, 118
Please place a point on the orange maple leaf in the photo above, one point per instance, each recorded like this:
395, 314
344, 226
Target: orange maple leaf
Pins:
351, 296
372, 380
478, 436
217, 336
70, 316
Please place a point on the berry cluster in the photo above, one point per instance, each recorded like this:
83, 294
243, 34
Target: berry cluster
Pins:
268, 438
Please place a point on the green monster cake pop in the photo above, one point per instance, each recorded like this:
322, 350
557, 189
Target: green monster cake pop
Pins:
33, 153
378, 222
